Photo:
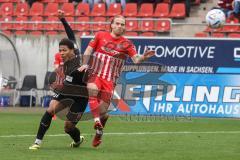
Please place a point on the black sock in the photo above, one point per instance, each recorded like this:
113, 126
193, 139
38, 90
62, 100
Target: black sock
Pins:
74, 134
44, 125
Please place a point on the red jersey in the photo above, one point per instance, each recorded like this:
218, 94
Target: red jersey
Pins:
225, 4
109, 55
58, 59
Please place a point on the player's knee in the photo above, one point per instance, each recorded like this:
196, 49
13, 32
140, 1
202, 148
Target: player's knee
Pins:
92, 89
68, 127
52, 107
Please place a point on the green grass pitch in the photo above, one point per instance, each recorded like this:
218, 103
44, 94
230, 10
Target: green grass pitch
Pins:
195, 139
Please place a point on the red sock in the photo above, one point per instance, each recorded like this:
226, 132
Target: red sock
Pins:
94, 106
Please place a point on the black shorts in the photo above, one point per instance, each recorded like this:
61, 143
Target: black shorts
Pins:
77, 106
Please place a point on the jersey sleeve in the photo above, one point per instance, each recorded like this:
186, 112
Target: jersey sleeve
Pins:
131, 50
94, 42
68, 30
57, 59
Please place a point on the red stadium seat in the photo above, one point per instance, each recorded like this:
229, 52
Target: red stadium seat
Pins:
234, 35
99, 24
201, 34
5, 1
51, 33
20, 33
178, 10
114, 9
147, 25
36, 9
148, 34
208, 29
84, 26
6, 26
162, 10
7, 32
233, 28
130, 10
48, 1
20, 24
51, 25
218, 35
6, 9
131, 33
36, 33
61, 1
68, 9
70, 21
51, 9
99, 9
37, 24
163, 26
22, 9
83, 9
146, 10
131, 25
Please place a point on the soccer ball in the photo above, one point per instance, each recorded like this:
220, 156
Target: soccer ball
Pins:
215, 18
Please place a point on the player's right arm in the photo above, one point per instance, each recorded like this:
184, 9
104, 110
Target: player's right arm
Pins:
88, 52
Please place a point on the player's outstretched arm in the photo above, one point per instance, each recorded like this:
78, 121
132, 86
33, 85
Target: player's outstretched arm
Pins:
140, 58
67, 27
86, 58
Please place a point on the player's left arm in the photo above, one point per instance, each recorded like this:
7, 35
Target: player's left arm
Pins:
140, 58
136, 58
67, 27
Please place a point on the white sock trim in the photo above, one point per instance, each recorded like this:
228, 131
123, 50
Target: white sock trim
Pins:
38, 141
97, 119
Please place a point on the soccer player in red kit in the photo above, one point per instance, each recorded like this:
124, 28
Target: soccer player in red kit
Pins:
110, 50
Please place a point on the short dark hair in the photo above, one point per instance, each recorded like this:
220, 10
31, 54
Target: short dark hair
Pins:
67, 42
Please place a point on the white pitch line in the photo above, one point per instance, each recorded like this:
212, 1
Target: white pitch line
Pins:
131, 133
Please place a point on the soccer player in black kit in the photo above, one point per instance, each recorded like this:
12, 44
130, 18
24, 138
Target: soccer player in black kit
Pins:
66, 75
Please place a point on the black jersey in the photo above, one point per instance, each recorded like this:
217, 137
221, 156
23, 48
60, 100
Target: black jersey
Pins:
72, 75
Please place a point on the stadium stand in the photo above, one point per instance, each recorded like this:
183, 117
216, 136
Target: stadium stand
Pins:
162, 10
148, 34
178, 11
6, 9
147, 17
218, 35
234, 35
130, 10
84, 25
131, 33
146, 10
114, 9
132, 25
22, 9
68, 9
201, 34
147, 25
51, 9
83, 9
99, 9
99, 25
163, 25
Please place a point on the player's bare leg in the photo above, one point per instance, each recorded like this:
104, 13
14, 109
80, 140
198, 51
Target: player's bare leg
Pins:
94, 103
